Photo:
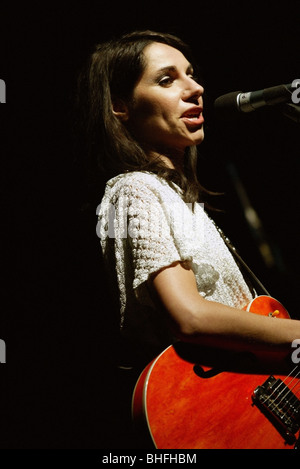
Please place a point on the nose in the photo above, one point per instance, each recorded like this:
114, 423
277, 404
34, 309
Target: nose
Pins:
192, 90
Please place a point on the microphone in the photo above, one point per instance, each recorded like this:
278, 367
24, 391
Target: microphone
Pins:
252, 100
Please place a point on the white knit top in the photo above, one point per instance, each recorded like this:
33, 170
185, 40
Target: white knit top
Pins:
144, 225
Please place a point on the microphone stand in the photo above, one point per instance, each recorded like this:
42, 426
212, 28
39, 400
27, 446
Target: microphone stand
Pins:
292, 111
254, 222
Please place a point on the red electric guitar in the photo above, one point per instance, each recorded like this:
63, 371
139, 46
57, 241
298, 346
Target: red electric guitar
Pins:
190, 397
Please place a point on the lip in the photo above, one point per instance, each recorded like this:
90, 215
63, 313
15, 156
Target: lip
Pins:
193, 117
193, 111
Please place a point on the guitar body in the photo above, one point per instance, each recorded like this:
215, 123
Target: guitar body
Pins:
191, 397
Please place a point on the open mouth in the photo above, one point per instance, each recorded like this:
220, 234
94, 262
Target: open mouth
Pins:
193, 117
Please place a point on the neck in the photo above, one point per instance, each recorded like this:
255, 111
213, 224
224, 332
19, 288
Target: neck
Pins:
173, 161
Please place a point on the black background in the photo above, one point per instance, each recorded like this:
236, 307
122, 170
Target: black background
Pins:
56, 388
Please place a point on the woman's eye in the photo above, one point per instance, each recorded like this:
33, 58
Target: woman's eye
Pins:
165, 81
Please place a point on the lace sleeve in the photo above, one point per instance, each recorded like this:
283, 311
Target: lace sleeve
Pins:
150, 236
145, 231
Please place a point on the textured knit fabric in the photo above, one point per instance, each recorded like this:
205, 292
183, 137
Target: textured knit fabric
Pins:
144, 225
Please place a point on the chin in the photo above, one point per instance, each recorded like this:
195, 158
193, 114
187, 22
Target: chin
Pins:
199, 139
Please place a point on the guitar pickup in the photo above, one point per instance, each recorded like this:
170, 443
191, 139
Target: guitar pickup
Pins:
280, 405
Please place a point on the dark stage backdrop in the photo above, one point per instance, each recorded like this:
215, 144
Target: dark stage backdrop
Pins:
57, 390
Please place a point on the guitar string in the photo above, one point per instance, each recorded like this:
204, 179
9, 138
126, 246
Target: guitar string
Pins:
283, 383
289, 388
295, 399
274, 405
287, 413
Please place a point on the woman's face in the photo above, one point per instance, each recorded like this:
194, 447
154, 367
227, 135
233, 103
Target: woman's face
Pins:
165, 114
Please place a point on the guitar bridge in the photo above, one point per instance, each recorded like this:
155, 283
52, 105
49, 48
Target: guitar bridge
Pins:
280, 405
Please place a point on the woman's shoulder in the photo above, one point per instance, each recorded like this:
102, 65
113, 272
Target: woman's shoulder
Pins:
138, 182
133, 177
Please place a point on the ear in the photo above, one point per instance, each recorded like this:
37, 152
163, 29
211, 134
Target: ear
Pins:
120, 109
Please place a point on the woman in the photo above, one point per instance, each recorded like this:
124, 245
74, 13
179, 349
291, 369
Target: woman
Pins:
167, 261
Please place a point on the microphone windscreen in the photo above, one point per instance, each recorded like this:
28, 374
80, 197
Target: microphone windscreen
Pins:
227, 102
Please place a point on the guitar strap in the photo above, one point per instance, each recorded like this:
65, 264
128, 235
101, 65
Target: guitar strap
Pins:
253, 282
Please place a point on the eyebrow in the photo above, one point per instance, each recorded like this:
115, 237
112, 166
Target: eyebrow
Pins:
172, 68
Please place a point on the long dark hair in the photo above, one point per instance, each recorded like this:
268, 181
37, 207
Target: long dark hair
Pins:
112, 71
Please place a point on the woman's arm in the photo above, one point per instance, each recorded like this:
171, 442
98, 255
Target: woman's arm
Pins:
197, 320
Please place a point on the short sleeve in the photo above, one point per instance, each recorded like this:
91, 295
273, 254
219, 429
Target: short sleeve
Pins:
144, 218
150, 235
144, 226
